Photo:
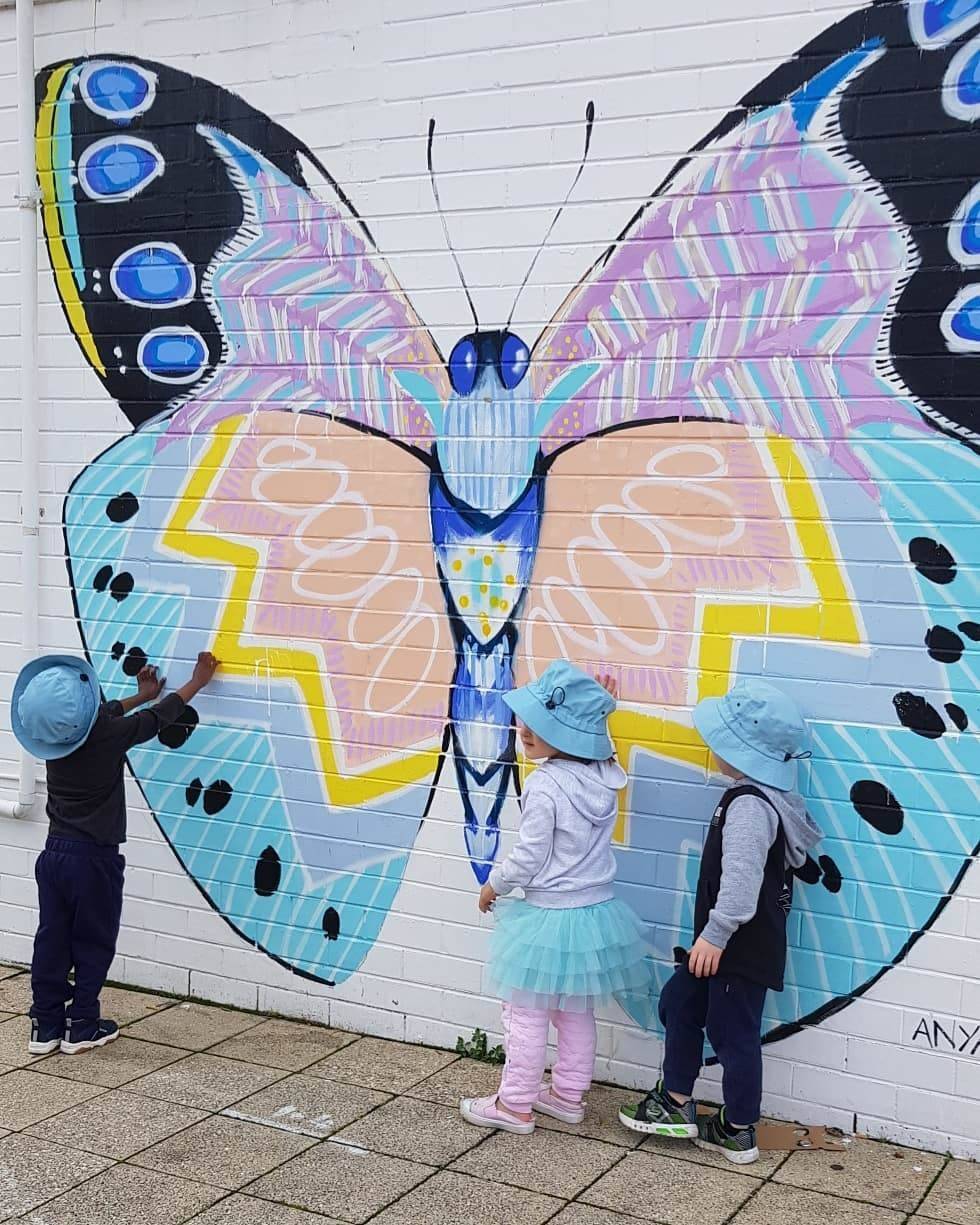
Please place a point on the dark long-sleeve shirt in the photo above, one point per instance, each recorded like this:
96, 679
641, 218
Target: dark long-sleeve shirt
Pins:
86, 791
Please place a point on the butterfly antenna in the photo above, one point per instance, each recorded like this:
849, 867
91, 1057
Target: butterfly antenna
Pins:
589, 121
445, 227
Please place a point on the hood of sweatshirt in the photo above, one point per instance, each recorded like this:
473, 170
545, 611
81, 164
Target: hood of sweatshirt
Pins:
799, 829
592, 786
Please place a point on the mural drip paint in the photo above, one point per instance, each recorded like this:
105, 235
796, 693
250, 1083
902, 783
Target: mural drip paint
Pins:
739, 449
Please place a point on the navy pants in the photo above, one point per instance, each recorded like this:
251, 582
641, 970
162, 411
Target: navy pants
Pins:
80, 890
729, 1009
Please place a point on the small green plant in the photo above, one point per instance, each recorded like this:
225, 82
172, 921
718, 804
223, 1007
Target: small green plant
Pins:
477, 1048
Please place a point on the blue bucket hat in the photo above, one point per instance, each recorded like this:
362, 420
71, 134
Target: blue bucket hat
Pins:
54, 705
568, 709
757, 729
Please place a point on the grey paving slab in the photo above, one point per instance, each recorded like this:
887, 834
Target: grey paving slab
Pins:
15, 1033
308, 1105
545, 1161
244, 1210
125, 1006
684, 1150
33, 1171
779, 1204
205, 1081
449, 1199
194, 1027
117, 1124
338, 1181
9, 971
956, 1195
416, 1130
586, 1214
462, 1078
284, 1044
223, 1152
27, 1097
601, 1122
125, 1195
113, 1065
680, 1191
884, 1174
380, 1064
15, 994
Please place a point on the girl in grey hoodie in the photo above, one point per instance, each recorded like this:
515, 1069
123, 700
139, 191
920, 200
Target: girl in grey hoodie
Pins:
569, 944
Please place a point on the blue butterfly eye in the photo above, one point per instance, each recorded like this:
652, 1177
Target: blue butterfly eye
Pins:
514, 359
463, 366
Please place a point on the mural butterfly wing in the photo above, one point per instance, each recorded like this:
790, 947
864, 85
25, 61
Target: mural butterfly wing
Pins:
792, 308
211, 291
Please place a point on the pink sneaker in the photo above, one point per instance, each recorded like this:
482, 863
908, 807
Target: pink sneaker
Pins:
484, 1112
548, 1103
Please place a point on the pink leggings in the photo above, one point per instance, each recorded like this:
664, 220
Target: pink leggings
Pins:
526, 1045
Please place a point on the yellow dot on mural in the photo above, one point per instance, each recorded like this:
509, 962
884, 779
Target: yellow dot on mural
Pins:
510, 580
472, 552
486, 629
484, 588
501, 547
457, 565
568, 340
504, 605
464, 601
494, 602
487, 559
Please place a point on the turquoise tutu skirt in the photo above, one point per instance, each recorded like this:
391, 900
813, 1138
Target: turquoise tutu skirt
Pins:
574, 959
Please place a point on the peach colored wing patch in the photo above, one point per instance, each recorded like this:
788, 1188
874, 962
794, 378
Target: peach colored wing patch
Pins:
629, 565
346, 576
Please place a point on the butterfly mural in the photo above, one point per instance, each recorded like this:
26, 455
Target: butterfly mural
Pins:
741, 446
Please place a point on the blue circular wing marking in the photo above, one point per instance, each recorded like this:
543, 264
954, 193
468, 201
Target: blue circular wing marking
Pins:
961, 321
172, 355
118, 168
154, 275
117, 91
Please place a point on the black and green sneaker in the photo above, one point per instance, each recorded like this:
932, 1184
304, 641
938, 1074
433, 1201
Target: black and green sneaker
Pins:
715, 1134
659, 1115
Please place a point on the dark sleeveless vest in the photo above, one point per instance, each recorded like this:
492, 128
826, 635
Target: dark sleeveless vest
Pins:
757, 949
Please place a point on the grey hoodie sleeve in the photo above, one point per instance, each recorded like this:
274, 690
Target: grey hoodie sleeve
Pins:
535, 839
749, 831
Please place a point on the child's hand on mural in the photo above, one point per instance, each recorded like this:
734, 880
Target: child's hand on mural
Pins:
149, 685
609, 684
487, 899
202, 675
704, 959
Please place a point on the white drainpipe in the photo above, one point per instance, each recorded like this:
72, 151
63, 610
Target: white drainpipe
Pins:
27, 203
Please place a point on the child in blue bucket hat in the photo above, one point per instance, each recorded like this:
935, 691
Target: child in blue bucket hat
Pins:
58, 716
569, 945
759, 835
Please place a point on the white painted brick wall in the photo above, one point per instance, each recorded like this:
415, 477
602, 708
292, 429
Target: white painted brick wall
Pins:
507, 84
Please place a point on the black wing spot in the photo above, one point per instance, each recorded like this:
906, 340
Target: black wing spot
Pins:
944, 646
918, 715
331, 923
971, 629
102, 576
179, 732
135, 661
193, 791
875, 804
122, 508
832, 879
932, 560
121, 586
958, 716
268, 872
118, 650
808, 871
216, 796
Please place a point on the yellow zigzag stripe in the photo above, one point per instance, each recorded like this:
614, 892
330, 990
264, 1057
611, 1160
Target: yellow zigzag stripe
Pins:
302, 667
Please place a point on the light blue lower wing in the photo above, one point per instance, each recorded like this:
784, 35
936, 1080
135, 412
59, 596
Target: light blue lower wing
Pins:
238, 795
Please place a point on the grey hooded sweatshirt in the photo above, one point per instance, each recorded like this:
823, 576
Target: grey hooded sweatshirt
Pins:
563, 856
749, 831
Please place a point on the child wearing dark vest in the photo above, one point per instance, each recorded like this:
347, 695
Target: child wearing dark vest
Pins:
759, 834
